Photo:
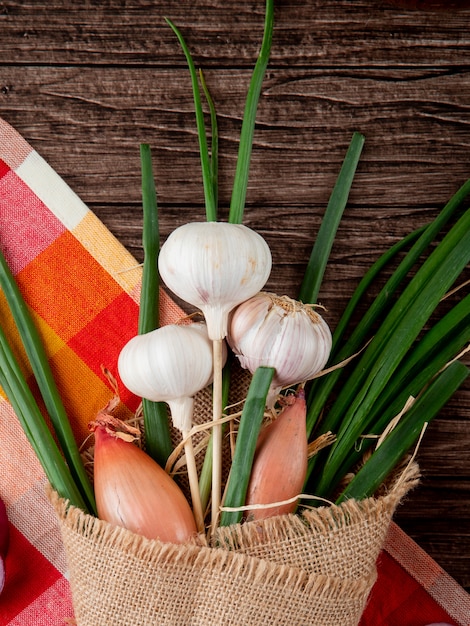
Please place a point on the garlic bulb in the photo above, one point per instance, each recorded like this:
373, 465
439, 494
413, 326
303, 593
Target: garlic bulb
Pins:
214, 266
282, 333
169, 364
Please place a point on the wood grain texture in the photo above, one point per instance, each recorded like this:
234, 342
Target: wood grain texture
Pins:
86, 82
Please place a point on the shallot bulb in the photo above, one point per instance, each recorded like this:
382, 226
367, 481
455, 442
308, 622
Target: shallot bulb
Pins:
4, 541
214, 266
276, 331
133, 491
280, 463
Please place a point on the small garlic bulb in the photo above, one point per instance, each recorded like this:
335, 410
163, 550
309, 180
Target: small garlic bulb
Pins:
276, 331
214, 266
169, 364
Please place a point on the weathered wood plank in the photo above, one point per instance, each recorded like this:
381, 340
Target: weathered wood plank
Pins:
437, 499
415, 122
313, 33
363, 235
445, 454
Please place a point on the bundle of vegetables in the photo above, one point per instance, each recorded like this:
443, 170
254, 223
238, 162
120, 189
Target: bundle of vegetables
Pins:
327, 417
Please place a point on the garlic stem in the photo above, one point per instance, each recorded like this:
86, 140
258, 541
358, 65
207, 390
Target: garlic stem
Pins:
181, 410
205, 477
193, 481
217, 409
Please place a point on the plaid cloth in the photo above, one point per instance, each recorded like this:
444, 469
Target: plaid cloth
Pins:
83, 289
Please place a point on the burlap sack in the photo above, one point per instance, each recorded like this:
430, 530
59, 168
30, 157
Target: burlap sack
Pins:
317, 568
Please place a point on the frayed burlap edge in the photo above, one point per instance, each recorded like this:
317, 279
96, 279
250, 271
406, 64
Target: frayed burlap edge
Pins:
154, 553
331, 540
121, 579
285, 570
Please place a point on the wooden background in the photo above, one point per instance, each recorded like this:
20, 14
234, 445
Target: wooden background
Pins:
86, 82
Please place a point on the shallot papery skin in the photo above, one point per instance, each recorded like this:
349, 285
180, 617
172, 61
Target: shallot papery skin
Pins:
280, 462
134, 492
4, 541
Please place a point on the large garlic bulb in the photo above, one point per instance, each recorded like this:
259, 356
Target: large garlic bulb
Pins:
169, 364
214, 266
282, 333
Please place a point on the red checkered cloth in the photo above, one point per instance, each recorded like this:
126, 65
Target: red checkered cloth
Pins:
83, 289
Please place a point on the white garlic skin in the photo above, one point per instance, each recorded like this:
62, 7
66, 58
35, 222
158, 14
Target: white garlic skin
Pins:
169, 364
279, 332
215, 266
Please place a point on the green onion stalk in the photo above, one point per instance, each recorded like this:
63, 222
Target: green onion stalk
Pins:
156, 424
250, 424
62, 463
401, 359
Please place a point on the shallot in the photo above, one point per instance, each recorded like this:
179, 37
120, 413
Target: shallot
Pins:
280, 463
132, 490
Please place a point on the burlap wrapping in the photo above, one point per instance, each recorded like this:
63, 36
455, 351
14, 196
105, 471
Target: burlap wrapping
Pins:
317, 568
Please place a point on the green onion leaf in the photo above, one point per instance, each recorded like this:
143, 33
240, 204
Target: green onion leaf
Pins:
320, 389
157, 431
439, 346
405, 434
432, 352
38, 360
214, 158
211, 208
240, 184
250, 424
392, 341
36, 429
316, 266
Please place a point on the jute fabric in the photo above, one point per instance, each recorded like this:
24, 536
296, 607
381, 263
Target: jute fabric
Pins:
316, 568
